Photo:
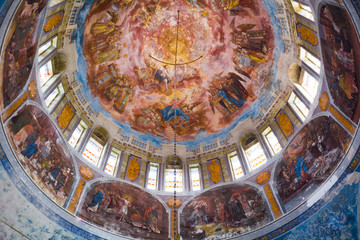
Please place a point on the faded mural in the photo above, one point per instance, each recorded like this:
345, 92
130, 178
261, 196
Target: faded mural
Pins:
41, 152
224, 57
127, 210
310, 158
21, 49
233, 208
341, 56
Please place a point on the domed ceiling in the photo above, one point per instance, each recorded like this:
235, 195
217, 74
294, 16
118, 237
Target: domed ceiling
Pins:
223, 57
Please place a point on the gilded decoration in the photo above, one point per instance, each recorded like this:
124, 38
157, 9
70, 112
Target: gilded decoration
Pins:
215, 171
170, 202
52, 22
86, 172
263, 177
274, 206
342, 119
133, 169
14, 107
308, 35
285, 124
32, 89
76, 198
65, 116
324, 101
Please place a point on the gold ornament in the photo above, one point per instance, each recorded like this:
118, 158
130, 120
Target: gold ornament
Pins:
133, 169
215, 171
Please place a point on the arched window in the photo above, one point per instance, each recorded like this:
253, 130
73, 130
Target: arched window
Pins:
235, 165
173, 171
95, 146
254, 152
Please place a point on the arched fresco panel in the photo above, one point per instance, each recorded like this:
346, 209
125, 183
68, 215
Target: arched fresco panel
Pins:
41, 152
309, 159
21, 49
341, 56
233, 208
125, 209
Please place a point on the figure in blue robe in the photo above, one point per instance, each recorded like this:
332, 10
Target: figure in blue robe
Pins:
237, 103
31, 150
300, 167
96, 201
169, 113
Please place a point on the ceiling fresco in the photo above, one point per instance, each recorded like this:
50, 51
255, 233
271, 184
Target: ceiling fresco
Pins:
225, 59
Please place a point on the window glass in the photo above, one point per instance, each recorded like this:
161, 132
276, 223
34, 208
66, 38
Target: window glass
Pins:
298, 106
45, 72
93, 151
272, 141
235, 165
303, 10
255, 156
170, 180
195, 177
78, 134
47, 48
310, 60
112, 161
55, 2
153, 176
309, 86
55, 96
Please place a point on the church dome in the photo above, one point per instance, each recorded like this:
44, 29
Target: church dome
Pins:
189, 119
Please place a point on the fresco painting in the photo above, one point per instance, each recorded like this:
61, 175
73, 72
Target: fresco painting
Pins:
125, 209
310, 157
341, 55
21, 49
233, 208
41, 152
130, 47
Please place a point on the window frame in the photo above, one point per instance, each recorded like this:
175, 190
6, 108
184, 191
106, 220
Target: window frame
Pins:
157, 166
195, 166
296, 108
118, 153
268, 130
230, 156
82, 135
95, 142
310, 60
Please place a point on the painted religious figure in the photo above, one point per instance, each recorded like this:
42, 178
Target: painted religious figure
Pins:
126, 209
41, 152
232, 208
212, 91
309, 159
21, 48
340, 48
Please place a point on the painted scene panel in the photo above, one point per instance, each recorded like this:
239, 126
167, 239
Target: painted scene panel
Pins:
341, 55
127, 210
21, 49
232, 209
309, 159
41, 152
228, 48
